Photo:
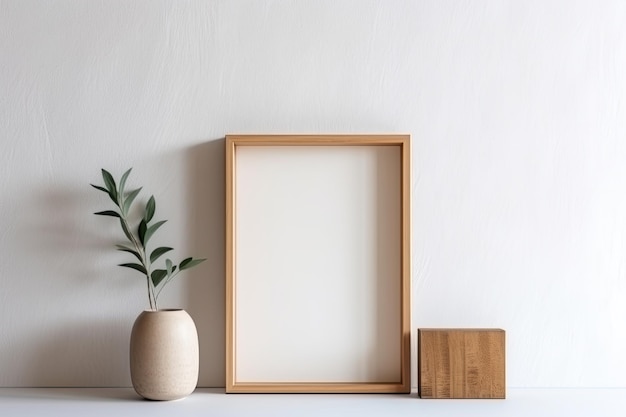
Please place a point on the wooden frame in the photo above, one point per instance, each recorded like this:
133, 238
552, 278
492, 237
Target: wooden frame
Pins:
238, 318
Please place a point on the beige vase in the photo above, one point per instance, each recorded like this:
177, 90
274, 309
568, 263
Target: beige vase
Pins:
164, 357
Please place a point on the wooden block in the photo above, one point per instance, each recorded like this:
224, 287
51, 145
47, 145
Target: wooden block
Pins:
461, 363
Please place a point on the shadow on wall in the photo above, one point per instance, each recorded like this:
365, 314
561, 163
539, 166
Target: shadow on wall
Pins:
79, 353
55, 346
50, 344
205, 231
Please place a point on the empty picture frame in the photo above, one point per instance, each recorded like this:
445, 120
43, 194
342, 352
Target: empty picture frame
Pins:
317, 263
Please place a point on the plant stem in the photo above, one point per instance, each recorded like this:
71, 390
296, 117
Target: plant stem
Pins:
142, 253
149, 297
165, 283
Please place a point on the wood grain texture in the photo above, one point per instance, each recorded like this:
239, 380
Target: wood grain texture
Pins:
461, 363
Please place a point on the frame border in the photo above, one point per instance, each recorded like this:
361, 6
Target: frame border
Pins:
234, 141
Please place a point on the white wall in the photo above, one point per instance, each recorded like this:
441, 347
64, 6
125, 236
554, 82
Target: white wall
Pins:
518, 118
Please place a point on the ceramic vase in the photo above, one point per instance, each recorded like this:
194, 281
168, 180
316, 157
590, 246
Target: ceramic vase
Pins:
164, 357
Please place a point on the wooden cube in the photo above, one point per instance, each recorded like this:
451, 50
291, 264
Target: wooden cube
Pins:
461, 363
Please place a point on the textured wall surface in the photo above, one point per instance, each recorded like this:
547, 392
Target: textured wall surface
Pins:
518, 119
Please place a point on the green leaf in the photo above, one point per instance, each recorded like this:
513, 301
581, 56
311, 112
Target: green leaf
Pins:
97, 187
156, 254
109, 182
185, 262
125, 229
108, 213
157, 276
190, 263
128, 200
150, 231
129, 250
136, 267
150, 207
123, 181
141, 231
169, 266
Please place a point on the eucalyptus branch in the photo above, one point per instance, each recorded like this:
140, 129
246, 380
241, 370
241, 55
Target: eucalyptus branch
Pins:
156, 279
142, 259
167, 280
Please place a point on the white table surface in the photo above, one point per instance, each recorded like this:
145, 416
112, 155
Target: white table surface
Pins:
213, 402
